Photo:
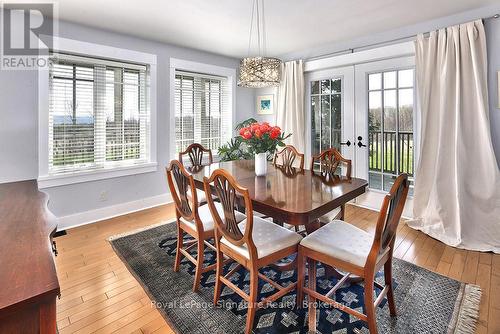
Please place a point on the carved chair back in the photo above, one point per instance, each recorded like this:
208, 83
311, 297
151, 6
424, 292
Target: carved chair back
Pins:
287, 157
228, 191
196, 153
180, 183
390, 215
329, 161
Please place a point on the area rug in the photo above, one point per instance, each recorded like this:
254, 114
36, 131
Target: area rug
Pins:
426, 302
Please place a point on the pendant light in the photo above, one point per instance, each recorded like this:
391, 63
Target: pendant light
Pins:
259, 71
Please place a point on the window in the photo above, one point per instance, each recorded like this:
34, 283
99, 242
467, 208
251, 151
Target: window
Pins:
202, 110
99, 114
390, 127
326, 113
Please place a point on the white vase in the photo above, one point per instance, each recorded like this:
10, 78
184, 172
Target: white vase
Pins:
261, 164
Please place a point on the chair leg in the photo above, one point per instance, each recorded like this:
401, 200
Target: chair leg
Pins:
312, 300
218, 274
369, 306
301, 264
388, 282
199, 264
342, 212
252, 304
178, 254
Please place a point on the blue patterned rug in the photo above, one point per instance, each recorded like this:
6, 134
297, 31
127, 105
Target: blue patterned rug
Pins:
426, 302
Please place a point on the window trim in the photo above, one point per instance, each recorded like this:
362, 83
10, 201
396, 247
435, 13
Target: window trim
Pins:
86, 49
191, 66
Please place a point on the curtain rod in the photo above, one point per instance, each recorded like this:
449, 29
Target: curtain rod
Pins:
368, 46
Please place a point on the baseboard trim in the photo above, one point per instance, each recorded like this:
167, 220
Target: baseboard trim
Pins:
92, 216
377, 210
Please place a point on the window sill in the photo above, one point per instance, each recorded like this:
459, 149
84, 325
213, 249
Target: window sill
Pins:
49, 181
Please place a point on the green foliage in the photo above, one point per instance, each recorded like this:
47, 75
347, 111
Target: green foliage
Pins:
240, 149
235, 149
245, 123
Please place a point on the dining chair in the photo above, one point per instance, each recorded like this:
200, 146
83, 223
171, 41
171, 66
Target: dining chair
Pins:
330, 162
192, 219
288, 157
350, 249
253, 243
197, 154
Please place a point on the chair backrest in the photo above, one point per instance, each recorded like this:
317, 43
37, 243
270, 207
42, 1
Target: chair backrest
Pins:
330, 160
180, 183
227, 191
287, 156
390, 215
196, 153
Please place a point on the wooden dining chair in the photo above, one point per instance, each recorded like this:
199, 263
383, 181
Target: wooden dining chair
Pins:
197, 154
348, 248
192, 219
254, 243
330, 162
289, 157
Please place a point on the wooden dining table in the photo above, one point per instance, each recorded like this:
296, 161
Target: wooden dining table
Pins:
296, 197
289, 195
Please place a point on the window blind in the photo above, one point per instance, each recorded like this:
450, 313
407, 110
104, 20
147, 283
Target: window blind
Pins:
202, 110
98, 114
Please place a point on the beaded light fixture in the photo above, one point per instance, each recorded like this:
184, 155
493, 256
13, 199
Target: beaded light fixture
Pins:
261, 71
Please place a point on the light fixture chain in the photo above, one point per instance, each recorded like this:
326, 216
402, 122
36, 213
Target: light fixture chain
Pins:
251, 28
264, 46
258, 28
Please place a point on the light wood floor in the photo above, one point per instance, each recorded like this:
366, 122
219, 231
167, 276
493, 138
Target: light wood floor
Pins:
100, 295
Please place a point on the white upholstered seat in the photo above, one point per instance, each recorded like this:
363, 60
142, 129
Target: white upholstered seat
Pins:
330, 216
200, 194
207, 219
267, 236
342, 241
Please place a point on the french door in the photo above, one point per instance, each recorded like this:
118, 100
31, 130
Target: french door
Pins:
330, 111
375, 126
385, 127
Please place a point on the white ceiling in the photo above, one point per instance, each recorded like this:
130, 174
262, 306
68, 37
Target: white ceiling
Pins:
222, 26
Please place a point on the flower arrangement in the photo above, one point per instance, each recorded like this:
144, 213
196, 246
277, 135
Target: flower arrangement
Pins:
254, 137
262, 137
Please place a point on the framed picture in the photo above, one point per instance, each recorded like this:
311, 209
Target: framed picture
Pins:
265, 104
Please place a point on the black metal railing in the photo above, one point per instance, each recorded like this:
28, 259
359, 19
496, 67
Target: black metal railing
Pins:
386, 159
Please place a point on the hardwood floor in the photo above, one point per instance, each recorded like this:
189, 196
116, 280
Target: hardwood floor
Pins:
100, 295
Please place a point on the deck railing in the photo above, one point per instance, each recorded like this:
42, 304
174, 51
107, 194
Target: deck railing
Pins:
383, 152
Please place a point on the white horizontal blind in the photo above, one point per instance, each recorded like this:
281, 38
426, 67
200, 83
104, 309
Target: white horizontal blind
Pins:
202, 110
98, 114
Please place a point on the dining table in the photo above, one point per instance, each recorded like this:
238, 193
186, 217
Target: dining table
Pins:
288, 195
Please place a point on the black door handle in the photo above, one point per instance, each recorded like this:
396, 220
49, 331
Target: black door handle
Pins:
348, 143
360, 144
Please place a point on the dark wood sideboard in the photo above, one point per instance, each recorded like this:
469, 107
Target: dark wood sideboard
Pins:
28, 279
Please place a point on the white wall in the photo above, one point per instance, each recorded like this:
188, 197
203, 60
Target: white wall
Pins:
19, 132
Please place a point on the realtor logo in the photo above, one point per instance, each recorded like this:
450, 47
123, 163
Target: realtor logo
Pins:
23, 25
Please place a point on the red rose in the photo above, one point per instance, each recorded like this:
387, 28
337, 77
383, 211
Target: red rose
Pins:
258, 133
265, 128
275, 132
254, 127
243, 130
247, 134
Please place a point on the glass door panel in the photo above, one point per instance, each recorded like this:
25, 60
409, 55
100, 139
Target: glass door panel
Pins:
384, 121
331, 110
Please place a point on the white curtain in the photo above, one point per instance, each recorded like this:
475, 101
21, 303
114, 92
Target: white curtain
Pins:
290, 109
457, 182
